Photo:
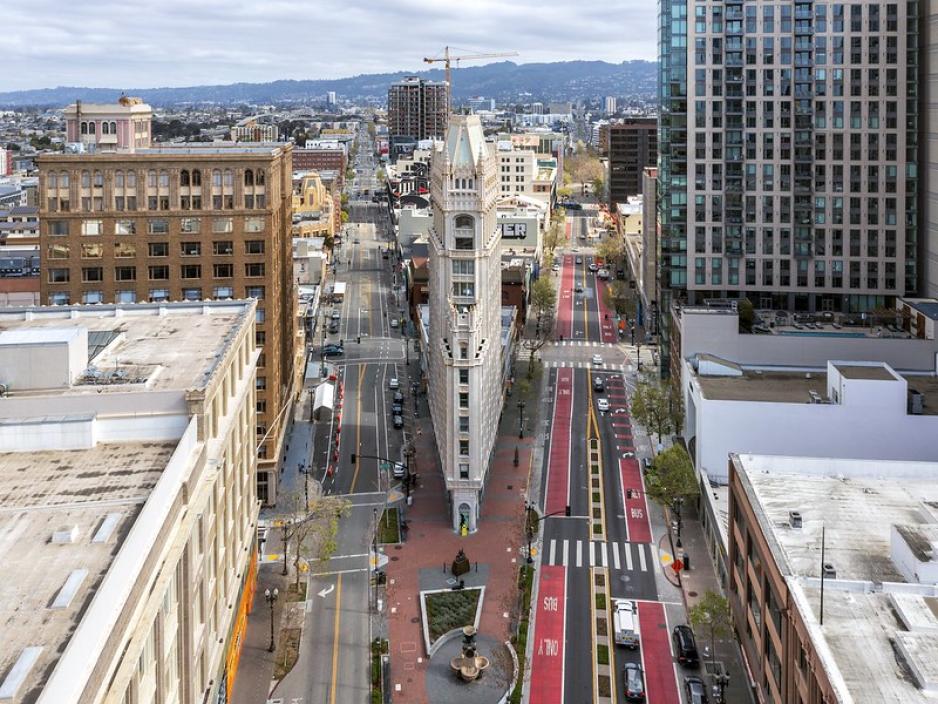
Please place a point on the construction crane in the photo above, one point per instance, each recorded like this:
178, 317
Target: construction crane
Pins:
447, 59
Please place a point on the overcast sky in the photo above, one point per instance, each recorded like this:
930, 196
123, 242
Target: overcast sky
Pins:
147, 43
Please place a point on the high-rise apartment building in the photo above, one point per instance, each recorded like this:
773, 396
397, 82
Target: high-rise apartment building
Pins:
464, 354
929, 150
609, 105
188, 222
633, 146
788, 143
417, 109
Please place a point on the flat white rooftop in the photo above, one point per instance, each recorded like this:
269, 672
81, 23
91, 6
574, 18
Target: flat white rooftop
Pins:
879, 638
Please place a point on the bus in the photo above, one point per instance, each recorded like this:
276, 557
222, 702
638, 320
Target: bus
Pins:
338, 292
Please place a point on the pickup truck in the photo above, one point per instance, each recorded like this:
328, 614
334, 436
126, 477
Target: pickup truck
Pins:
625, 621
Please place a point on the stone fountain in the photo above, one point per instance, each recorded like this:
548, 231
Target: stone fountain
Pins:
469, 665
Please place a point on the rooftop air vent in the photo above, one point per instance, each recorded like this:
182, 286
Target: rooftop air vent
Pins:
65, 535
829, 571
794, 519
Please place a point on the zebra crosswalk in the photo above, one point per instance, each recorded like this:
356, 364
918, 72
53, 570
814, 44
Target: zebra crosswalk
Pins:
597, 553
582, 343
584, 365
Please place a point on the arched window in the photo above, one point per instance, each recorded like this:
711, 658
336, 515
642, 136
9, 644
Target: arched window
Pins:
229, 178
216, 178
98, 179
248, 177
131, 179
196, 177
51, 181
105, 128
464, 222
118, 179
113, 128
63, 179
259, 177
151, 178
90, 128
164, 178
84, 128
184, 177
86, 179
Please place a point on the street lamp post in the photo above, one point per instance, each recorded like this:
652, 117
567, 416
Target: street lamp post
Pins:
528, 528
677, 506
722, 681
271, 598
521, 418
305, 471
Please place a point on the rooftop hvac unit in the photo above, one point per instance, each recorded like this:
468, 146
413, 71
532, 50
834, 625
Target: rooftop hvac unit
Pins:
794, 519
829, 571
916, 402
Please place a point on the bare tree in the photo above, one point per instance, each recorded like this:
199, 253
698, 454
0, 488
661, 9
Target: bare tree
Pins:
312, 529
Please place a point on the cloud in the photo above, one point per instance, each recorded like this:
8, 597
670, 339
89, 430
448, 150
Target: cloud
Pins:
141, 44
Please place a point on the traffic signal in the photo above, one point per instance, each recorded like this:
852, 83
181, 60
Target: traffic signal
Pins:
353, 458
566, 511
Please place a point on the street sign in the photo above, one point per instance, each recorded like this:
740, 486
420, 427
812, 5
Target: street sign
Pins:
677, 566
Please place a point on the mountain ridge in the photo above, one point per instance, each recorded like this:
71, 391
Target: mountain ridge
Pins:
503, 80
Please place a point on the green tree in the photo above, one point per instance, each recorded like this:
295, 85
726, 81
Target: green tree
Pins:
671, 476
564, 192
612, 250
746, 314
618, 296
543, 298
344, 216
652, 405
712, 614
554, 236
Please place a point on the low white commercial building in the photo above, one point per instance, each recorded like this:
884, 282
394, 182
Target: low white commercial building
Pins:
833, 578
128, 500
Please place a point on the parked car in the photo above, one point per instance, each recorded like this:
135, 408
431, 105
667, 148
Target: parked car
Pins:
399, 470
634, 682
336, 315
333, 350
598, 384
597, 360
393, 383
333, 327
397, 408
593, 267
579, 260
685, 647
696, 690
555, 267
394, 322
398, 397
398, 422
603, 405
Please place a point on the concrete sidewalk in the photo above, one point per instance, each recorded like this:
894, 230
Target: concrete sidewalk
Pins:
256, 667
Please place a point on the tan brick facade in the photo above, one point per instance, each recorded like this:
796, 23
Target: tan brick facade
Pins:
181, 223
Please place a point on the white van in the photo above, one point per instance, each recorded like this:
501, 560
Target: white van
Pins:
625, 621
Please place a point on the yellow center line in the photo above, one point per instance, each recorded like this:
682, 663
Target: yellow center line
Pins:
586, 322
335, 639
358, 425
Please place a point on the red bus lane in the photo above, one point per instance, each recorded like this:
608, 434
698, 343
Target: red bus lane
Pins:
565, 305
607, 319
636, 510
558, 463
547, 659
657, 661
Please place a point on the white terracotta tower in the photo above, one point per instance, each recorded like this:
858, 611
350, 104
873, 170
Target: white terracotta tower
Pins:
465, 313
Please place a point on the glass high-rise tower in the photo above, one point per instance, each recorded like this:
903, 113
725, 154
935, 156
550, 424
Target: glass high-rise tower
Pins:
788, 152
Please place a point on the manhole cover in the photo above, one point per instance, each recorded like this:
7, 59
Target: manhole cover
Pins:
398, 547
415, 619
625, 578
691, 593
394, 558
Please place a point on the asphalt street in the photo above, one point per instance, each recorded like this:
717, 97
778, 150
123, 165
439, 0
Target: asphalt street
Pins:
334, 665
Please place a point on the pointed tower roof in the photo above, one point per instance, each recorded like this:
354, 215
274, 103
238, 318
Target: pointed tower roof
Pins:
465, 141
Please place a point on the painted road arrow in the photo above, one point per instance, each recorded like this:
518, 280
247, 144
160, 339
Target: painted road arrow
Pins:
324, 592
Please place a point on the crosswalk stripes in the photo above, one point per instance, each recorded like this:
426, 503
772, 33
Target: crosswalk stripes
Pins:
584, 365
581, 343
599, 554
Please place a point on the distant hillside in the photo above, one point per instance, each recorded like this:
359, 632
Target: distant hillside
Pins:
504, 81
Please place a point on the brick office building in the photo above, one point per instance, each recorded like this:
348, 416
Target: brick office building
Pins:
633, 146
188, 222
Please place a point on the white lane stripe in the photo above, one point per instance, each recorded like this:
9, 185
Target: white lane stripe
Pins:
615, 555
641, 557
579, 553
566, 552
627, 547
605, 556
592, 558
553, 549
